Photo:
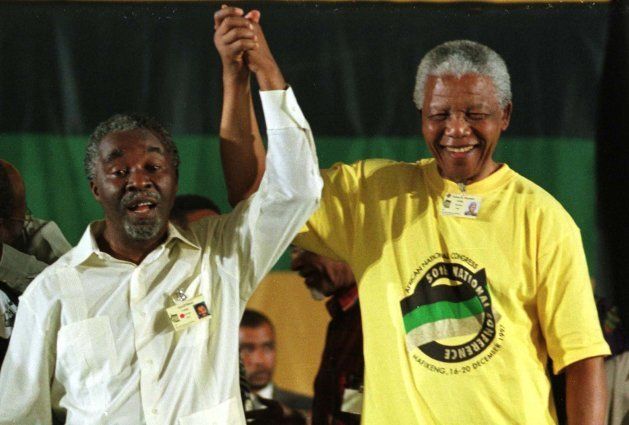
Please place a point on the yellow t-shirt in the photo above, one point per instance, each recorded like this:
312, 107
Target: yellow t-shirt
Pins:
460, 312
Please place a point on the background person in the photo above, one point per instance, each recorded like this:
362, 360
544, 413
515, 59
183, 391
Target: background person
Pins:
190, 208
339, 380
257, 351
27, 246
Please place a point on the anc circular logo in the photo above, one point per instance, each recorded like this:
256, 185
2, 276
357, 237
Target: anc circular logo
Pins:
450, 302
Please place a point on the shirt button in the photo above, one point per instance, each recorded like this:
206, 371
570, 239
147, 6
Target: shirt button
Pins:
154, 411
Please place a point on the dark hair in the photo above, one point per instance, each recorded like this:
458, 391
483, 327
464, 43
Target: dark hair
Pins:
6, 194
254, 319
187, 203
122, 122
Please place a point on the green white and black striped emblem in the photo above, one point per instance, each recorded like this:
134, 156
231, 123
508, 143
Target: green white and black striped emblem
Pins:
450, 301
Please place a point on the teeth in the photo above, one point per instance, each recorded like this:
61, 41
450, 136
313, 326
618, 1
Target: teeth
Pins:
463, 149
140, 205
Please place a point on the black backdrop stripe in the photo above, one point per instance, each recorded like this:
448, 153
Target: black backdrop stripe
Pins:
67, 66
612, 159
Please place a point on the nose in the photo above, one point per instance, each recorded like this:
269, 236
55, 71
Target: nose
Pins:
457, 126
138, 179
257, 357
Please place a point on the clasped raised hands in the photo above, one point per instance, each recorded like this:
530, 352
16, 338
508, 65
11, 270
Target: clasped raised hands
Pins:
243, 48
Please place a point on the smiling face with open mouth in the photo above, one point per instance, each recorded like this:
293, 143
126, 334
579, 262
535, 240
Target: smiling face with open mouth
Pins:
135, 182
462, 121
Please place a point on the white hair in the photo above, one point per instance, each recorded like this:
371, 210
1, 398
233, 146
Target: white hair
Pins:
462, 57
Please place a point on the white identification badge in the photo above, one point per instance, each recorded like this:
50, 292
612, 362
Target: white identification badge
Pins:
352, 401
460, 205
188, 313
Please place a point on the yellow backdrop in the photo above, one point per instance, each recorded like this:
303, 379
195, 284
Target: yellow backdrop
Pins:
300, 326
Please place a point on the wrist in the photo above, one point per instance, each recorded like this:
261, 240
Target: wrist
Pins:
235, 73
271, 80
239, 82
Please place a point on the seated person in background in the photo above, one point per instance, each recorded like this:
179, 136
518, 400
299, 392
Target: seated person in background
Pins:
190, 208
27, 246
339, 381
257, 351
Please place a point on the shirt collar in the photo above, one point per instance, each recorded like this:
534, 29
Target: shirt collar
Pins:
495, 180
266, 391
88, 247
184, 235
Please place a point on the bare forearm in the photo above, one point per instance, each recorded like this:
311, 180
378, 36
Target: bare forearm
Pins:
271, 78
586, 392
242, 151
244, 50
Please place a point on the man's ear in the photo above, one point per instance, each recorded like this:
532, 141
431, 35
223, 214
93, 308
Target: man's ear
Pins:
506, 116
94, 190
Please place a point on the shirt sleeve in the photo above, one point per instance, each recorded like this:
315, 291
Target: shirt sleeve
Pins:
288, 194
566, 306
18, 269
27, 370
330, 231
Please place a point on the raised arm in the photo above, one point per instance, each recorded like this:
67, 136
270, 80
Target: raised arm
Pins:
289, 191
242, 153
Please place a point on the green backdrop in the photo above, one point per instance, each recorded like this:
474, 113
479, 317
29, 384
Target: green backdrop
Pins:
57, 188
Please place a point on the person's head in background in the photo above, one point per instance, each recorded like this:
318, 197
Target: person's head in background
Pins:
323, 276
190, 208
12, 204
257, 348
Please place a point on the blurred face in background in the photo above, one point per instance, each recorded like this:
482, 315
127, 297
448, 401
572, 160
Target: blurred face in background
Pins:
257, 351
13, 215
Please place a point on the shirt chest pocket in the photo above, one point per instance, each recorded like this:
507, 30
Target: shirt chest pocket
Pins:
86, 351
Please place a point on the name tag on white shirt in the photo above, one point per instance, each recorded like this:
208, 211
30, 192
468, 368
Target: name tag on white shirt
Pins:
188, 313
460, 205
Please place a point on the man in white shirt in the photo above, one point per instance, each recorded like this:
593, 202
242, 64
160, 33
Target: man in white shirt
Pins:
93, 340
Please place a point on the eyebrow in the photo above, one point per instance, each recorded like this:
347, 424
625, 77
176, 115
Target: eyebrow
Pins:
479, 106
117, 153
157, 149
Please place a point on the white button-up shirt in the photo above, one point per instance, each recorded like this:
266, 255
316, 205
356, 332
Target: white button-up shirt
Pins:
92, 339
